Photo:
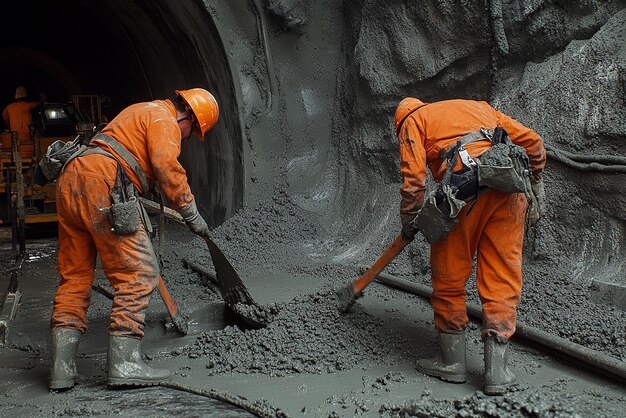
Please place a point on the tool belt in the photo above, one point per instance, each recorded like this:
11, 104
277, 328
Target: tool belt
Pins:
126, 209
504, 167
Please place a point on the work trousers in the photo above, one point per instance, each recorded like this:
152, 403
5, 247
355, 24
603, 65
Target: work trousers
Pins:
494, 231
128, 261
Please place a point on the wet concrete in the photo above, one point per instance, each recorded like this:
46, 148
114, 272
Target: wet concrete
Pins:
327, 363
307, 149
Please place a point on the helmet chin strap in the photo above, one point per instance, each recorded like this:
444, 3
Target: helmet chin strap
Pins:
189, 116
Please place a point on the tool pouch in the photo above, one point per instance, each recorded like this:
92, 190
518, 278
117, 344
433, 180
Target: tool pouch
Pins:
124, 211
51, 164
505, 166
438, 214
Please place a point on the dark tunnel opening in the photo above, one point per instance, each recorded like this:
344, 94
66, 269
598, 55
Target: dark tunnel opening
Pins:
131, 51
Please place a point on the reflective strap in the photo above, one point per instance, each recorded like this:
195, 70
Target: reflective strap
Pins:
125, 155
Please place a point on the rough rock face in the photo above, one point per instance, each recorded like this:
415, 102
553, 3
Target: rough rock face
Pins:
291, 14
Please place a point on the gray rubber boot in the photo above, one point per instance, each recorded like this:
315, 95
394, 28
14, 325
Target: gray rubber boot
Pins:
126, 367
449, 365
64, 344
498, 376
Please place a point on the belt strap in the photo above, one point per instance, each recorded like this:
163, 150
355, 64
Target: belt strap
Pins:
467, 139
125, 155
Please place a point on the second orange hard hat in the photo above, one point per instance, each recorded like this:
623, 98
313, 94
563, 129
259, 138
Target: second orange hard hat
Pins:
407, 106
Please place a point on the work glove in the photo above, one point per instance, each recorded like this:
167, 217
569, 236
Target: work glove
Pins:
538, 202
408, 228
193, 220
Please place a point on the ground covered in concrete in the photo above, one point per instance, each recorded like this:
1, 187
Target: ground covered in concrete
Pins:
326, 362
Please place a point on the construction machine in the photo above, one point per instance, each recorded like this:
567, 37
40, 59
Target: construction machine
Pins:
50, 122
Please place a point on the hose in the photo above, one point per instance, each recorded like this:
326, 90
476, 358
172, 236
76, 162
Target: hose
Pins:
603, 163
497, 25
594, 360
262, 30
238, 401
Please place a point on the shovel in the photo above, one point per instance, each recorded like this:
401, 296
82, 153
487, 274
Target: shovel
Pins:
348, 294
179, 322
232, 289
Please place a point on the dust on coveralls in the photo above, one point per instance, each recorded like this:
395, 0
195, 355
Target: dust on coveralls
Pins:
493, 229
17, 117
150, 132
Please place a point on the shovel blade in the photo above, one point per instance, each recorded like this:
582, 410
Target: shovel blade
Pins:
231, 287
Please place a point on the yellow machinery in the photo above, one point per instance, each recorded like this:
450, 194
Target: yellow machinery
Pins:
51, 122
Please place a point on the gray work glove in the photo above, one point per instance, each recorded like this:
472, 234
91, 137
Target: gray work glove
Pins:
193, 220
538, 202
408, 228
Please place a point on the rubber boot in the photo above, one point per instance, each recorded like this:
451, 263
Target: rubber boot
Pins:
498, 376
64, 344
449, 365
126, 367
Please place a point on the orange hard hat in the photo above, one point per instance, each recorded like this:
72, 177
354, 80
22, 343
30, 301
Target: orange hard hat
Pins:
20, 92
407, 106
204, 107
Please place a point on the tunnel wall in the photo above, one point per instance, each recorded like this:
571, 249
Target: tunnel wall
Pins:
132, 51
318, 113
175, 45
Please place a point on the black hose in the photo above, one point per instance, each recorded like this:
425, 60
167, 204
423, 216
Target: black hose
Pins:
603, 163
497, 26
597, 158
238, 401
594, 360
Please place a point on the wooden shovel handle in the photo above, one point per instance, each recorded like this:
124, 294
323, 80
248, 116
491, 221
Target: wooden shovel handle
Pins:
390, 253
167, 298
156, 208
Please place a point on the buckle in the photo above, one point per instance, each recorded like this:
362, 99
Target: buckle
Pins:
488, 133
467, 160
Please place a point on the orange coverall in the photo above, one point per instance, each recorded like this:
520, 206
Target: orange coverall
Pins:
150, 132
17, 117
494, 229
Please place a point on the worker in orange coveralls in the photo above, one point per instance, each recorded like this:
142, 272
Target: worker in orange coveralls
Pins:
152, 133
17, 114
492, 228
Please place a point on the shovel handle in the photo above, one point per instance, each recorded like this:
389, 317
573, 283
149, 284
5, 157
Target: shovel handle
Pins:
390, 253
154, 207
167, 298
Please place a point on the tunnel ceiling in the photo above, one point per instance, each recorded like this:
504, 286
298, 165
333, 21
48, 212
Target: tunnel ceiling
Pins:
131, 51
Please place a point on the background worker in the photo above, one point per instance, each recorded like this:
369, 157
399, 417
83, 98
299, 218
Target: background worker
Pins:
17, 115
493, 230
152, 133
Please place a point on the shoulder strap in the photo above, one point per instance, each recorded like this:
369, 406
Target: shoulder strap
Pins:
127, 157
85, 150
